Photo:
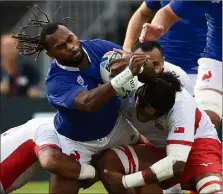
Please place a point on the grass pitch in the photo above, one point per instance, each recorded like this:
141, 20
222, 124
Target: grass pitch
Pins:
42, 187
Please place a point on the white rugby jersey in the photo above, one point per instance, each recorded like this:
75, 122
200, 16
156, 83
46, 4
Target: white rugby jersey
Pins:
184, 122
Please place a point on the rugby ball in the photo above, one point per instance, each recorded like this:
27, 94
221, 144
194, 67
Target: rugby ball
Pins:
129, 88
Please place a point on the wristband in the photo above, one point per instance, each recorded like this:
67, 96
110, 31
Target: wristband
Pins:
119, 80
87, 172
133, 180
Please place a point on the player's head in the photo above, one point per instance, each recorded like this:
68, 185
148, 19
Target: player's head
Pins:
58, 41
61, 43
156, 96
151, 48
154, 50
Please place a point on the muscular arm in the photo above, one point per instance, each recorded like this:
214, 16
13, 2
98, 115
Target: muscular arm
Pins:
165, 17
141, 16
91, 101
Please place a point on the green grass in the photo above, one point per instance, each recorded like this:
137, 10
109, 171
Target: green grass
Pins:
42, 187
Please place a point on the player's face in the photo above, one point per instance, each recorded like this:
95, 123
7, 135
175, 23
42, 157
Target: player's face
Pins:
144, 111
144, 114
65, 46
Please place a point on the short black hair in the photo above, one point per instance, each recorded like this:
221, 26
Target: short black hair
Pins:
29, 45
147, 46
160, 92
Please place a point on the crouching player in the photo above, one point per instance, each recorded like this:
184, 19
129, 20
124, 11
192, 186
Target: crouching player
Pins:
193, 154
28, 147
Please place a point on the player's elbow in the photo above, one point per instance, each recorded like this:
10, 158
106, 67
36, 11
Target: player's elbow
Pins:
178, 167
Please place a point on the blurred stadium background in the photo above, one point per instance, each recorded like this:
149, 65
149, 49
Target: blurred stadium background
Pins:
104, 19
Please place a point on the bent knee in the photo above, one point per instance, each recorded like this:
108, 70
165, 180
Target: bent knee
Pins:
49, 159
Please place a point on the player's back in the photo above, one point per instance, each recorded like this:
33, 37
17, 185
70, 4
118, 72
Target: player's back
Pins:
213, 13
184, 41
213, 10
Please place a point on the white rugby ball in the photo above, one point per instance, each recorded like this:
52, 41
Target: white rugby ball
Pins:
129, 88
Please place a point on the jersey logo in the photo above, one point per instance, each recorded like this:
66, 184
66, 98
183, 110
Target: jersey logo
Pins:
159, 124
207, 76
205, 164
179, 130
80, 81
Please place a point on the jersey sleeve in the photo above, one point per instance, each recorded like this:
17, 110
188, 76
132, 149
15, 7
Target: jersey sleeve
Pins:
153, 5
62, 90
181, 123
189, 10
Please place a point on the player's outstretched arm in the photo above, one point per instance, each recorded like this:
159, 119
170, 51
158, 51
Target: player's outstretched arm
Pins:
92, 100
160, 24
55, 161
141, 16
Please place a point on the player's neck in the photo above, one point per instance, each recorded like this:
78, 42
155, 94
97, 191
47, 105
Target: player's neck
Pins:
84, 64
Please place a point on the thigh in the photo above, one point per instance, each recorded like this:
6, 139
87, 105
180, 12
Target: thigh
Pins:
18, 159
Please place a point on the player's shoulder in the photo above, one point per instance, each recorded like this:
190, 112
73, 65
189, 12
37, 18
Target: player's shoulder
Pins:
56, 72
184, 102
99, 43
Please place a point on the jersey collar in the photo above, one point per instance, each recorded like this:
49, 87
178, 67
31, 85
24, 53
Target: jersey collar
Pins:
67, 68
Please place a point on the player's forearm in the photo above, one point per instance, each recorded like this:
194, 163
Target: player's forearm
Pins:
91, 101
165, 17
135, 27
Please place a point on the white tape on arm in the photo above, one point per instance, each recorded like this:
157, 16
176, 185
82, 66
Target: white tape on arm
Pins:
87, 172
163, 169
119, 80
133, 180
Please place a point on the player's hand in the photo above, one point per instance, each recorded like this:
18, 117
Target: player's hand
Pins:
137, 62
113, 178
118, 65
151, 32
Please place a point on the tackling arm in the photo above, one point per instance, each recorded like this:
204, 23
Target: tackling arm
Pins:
165, 17
162, 170
141, 16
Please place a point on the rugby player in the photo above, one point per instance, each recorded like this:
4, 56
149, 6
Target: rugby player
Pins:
89, 117
183, 42
208, 88
193, 154
31, 146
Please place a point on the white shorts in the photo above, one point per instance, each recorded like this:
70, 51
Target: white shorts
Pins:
209, 74
122, 134
19, 149
183, 76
